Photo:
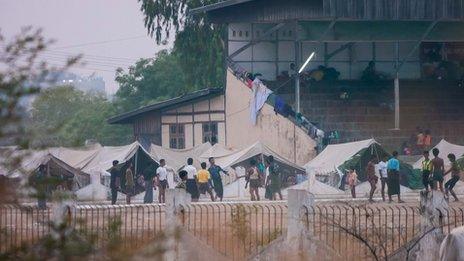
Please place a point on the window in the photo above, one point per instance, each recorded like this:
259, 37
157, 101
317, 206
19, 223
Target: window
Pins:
210, 132
233, 33
246, 33
176, 136
240, 33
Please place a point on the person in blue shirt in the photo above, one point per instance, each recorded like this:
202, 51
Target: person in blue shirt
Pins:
215, 172
393, 180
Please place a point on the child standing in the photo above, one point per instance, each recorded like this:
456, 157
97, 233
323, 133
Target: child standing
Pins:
204, 181
352, 179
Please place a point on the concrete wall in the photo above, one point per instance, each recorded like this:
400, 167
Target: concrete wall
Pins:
274, 55
274, 130
192, 116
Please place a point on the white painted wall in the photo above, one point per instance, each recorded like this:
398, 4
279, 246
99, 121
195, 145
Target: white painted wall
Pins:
274, 130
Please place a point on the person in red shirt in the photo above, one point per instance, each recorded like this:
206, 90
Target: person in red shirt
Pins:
420, 140
427, 140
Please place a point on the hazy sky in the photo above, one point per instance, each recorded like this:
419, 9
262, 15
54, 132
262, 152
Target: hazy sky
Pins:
109, 33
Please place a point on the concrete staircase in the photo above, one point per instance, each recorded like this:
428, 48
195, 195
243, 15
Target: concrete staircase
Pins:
434, 105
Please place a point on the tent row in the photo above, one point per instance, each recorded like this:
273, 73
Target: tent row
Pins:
85, 170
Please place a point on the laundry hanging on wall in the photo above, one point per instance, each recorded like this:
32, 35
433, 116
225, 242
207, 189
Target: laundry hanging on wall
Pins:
260, 95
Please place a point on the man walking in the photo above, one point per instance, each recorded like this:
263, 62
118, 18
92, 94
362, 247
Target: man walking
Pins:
162, 181
393, 170
215, 172
192, 187
455, 176
383, 176
274, 178
204, 181
438, 169
114, 182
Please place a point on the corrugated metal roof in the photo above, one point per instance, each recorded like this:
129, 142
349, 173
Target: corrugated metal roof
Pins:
215, 6
265, 11
178, 101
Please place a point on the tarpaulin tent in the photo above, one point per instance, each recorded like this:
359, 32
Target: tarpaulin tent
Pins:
71, 178
242, 157
177, 158
76, 157
135, 153
335, 159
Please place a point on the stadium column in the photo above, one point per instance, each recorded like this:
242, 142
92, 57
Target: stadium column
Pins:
297, 66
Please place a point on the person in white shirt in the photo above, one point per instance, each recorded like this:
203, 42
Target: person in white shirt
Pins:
382, 167
162, 181
191, 183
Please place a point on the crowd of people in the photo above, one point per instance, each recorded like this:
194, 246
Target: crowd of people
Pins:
206, 181
433, 172
389, 173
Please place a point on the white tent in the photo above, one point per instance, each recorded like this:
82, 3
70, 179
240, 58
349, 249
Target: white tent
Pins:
95, 191
176, 158
217, 150
445, 149
76, 157
103, 159
335, 155
227, 160
236, 189
315, 187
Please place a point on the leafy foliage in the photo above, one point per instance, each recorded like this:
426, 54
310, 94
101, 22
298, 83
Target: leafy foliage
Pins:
150, 80
64, 116
199, 45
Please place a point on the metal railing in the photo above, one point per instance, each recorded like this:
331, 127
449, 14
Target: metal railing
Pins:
236, 230
451, 218
348, 230
132, 224
22, 224
352, 230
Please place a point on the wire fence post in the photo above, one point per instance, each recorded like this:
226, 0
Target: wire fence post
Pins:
432, 206
297, 200
175, 200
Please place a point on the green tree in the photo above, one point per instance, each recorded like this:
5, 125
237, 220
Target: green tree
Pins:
90, 122
199, 44
64, 116
50, 111
150, 80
